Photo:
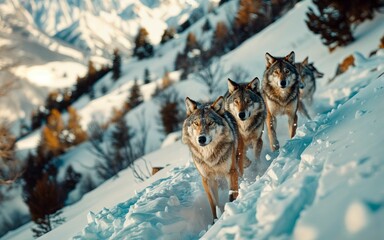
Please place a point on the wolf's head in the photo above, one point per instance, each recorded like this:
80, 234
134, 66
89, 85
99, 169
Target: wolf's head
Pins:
306, 75
242, 99
204, 122
315, 71
281, 71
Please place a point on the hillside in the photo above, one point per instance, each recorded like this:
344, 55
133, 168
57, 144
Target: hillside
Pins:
332, 165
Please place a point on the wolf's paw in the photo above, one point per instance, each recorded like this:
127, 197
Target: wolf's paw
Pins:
247, 162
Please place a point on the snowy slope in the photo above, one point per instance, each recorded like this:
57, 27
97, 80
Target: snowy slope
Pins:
323, 185
163, 210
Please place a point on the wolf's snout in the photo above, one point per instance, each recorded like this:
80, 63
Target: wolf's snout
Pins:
283, 83
242, 115
202, 140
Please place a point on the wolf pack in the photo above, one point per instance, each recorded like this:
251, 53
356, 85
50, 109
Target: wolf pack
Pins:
218, 134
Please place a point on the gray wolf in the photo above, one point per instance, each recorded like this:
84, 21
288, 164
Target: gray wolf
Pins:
308, 74
280, 89
216, 146
246, 104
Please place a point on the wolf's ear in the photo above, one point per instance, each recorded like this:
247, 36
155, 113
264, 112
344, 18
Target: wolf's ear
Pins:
232, 86
254, 85
305, 62
291, 57
190, 105
270, 59
218, 105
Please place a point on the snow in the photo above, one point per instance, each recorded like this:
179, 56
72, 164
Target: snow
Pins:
323, 184
53, 74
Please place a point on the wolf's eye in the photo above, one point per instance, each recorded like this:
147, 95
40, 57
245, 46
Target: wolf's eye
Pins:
196, 123
286, 70
211, 123
275, 72
237, 101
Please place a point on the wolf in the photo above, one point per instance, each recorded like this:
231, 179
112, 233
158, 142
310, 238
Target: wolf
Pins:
212, 135
246, 104
308, 74
280, 90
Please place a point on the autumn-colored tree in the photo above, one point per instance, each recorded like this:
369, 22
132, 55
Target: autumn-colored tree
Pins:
166, 80
168, 34
191, 43
50, 140
170, 112
250, 19
220, 40
76, 134
116, 65
143, 48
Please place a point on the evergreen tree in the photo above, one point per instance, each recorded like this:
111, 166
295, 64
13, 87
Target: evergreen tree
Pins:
206, 26
135, 97
116, 65
120, 153
331, 23
147, 76
143, 48
336, 19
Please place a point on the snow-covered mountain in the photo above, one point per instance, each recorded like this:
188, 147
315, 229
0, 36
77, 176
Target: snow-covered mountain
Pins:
324, 184
97, 27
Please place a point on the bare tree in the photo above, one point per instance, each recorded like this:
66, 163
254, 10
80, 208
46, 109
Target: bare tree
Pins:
211, 76
10, 167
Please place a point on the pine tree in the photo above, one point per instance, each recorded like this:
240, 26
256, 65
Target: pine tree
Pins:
120, 153
135, 97
116, 65
331, 23
206, 26
143, 48
147, 76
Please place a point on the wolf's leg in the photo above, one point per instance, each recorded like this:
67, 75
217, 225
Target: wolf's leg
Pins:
241, 156
258, 147
210, 196
233, 184
292, 123
233, 178
303, 110
271, 126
